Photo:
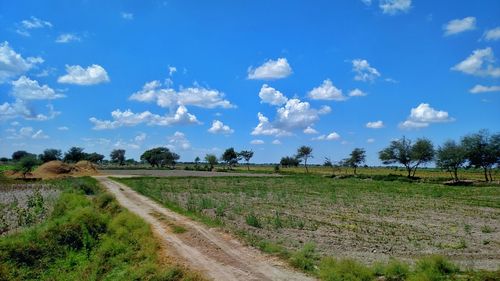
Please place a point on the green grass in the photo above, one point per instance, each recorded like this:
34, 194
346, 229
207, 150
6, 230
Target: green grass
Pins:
4, 168
87, 237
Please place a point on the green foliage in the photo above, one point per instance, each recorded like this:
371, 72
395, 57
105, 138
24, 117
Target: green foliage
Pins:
94, 157
482, 151
356, 158
17, 155
211, 160
118, 156
409, 155
160, 157
230, 156
50, 154
331, 269
450, 157
304, 152
74, 154
27, 164
252, 220
247, 155
433, 268
289, 161
305, 259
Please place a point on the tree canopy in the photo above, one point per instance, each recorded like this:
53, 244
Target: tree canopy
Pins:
450, 157
74, 154
50, 154
160, 157
304, 152
247, 155
409, 155
482, 151
356, 158
118, 156
230, 157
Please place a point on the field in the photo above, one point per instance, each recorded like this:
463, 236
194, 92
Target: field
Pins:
360, 218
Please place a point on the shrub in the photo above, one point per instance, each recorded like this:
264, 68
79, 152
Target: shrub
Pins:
433, 268
331, 269
252, 220
306, 258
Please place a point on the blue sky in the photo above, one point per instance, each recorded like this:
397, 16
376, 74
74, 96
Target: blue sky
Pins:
201, 76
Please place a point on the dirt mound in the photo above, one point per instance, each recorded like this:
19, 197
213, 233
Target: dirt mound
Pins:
58, 169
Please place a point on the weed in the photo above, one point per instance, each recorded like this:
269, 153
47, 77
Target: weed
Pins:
252, 220
331, 269
486, 229
306, 258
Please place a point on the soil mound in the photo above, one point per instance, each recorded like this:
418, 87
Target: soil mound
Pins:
58, 169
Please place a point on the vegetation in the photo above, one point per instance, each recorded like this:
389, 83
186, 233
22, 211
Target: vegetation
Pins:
247, 155
17, 155
94, 157
118, 156
451, 157
482, 151
74, 154
304, 152
407, 154
27, 164
289, 161
85, 238
50, 154
160, 157
230, 157
356, 158
211, 160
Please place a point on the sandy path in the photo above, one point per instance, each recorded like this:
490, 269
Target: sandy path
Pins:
215, 254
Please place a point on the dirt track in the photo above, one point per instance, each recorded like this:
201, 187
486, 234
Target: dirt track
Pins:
217, 255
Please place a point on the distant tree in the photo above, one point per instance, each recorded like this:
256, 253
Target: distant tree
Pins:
4, 159
26, 164
131, 161
211, 160
450, 157
328, 163
170, 158
482, 151
94, 157
74, 154
16, 156
289, 161
247, 155
304, 152
356, 158
230, 156
407, 154
118, 156
160, 157
50, 155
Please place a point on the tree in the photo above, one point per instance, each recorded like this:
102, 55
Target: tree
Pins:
197, 162
50, 155
118, 155
289, 161
304, 152
160, 156
211, 160
328, 163
450, 157
482, 151
407, 154
74, 154
247, 155
94, 157
356, 158
16, 156
26, 164
230, 157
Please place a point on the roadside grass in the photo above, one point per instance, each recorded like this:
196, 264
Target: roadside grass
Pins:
285, 216
88, 236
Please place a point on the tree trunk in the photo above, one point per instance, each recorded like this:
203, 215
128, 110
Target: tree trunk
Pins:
491, 178
455, 171
248, 166
486, 173
408, 169
305, 164
355, 170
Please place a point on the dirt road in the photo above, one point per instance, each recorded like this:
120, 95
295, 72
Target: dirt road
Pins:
217, 255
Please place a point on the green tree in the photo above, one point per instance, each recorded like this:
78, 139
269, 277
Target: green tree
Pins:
304, 152
356, 158
450, 157
17, 155
211, 160
230, 156
26, 164
407, 154
247, 155
197, 162
74, 154
482, 151
94, 157
160, 157
50, 154
289, 161
118, 156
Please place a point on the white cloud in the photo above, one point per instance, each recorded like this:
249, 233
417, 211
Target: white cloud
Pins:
492, 34
393, 7
484, 89
94, 74
272, 96
367, 2
325, 109
67, 38
266, 128
370, 140
127, 16
167, 97
140, 137
364, 72
276, 142
310, 131
375, 124
20, 109
357, 93
459, 25
172, 70
13, 64
178, 141
63, 128
15, 123
27, 132
479, 63
326, 91
257, 142
272, 69
27, 89
128, 119
330, 137
32, 23
423, 115
219, 128
39, 135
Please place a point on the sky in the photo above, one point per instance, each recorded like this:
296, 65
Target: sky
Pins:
268, 76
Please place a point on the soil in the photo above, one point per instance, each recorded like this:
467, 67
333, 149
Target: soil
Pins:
217, 255
58, 169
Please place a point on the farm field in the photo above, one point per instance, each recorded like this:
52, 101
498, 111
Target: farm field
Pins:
367, 220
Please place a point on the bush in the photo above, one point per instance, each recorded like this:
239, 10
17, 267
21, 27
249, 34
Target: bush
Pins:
306, 258
396, 271
331, 269
252, 220
433, 268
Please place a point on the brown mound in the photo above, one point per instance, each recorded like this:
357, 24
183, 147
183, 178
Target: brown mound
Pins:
58, 169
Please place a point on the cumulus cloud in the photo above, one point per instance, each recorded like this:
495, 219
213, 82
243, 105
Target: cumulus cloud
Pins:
32, 23
67, 38
178, 141
492, 34
330, 137
423, 115
459, 25
27, 89
257, 142
479, 63
266, 128
272, 96
357, 93
172, 70
167, 97
364, 72
326, 91
310, 131
13, 64
94, 74
219, 128
393, 7
129, 119
484, 89
276, 142
140, 137
375, 124
27, 133
19, 108
270, 70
